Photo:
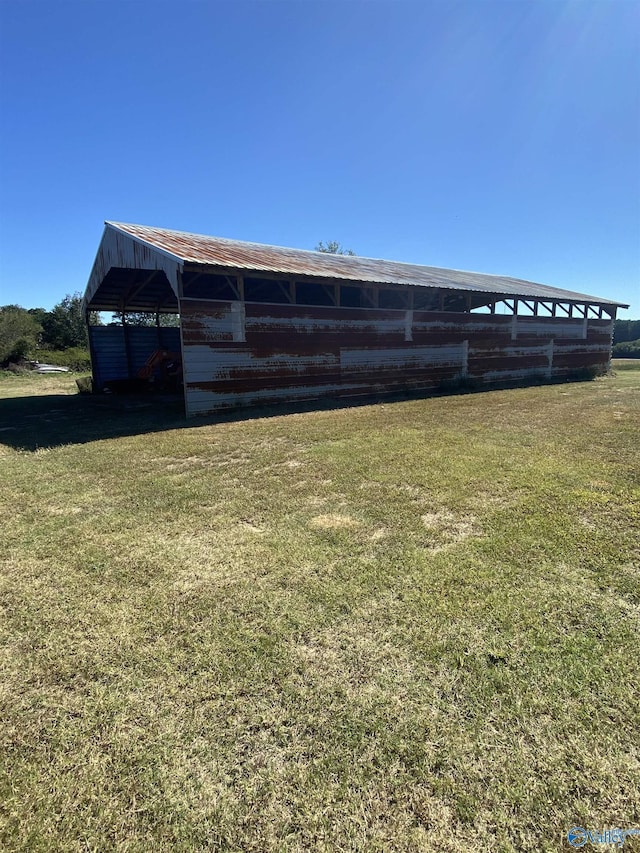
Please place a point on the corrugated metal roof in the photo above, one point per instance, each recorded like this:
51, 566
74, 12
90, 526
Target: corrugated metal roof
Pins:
220, 251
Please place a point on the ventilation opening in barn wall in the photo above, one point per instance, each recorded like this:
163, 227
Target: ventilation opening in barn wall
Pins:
222, 324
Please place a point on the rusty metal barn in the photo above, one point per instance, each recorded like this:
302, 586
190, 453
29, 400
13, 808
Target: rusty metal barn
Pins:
259, 324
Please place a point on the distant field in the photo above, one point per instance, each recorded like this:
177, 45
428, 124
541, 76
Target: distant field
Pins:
403, 627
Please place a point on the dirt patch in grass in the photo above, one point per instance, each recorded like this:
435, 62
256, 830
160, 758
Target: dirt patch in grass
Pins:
450, 529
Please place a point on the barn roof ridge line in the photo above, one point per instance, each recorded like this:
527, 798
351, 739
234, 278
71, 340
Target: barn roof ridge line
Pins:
369, 266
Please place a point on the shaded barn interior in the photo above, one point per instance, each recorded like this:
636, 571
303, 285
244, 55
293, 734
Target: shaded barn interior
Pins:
259, 324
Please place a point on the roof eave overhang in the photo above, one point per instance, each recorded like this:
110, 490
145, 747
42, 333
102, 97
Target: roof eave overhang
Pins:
553, 294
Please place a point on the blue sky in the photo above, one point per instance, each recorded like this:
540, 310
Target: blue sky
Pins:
499, 137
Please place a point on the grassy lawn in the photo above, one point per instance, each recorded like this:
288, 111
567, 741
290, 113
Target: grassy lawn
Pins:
403, 627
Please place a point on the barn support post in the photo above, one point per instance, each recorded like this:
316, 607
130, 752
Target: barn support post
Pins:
465, 358
238, 318
182, 349
127, 345
95, 376
612, 314
158, 332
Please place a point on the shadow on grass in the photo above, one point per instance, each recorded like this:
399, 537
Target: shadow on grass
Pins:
54, 420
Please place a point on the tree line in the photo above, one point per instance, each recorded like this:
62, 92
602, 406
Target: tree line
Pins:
26, 332
626, 330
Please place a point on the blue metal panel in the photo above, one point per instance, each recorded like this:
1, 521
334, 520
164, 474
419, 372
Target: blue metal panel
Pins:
109, 349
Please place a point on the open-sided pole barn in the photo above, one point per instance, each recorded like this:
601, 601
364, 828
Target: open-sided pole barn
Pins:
262, 323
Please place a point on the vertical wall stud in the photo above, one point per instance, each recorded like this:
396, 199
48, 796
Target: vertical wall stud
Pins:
408, 325
465, 358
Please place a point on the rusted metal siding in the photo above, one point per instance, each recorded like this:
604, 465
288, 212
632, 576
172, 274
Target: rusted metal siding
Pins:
238, 354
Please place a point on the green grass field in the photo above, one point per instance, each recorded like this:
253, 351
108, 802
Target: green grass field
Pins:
410, 626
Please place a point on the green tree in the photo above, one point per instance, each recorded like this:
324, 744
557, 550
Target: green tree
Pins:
20, 333
65, 325
332, 247
38, 314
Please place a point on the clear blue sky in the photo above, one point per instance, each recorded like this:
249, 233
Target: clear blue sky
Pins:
499, 137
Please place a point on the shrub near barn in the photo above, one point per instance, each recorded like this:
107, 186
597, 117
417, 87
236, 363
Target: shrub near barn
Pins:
627, 349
